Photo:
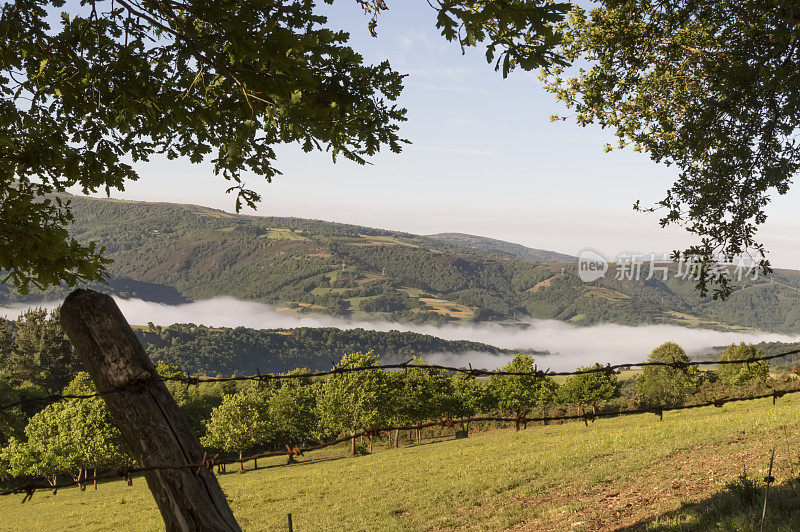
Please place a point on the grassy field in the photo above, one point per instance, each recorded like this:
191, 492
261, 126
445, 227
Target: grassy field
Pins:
632, 473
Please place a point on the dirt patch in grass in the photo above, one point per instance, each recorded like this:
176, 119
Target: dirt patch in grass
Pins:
682, 478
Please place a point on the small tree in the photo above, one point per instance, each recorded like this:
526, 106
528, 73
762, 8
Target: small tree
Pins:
589, 388
468, 398
97, 443
518, 394
49, 448
665, 385
240, 422
68, 437
422, 394
354, 400
293, 409
739, 374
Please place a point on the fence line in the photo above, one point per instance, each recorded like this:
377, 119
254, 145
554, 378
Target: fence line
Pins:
52, 398
599, 368
263, 377
210, 462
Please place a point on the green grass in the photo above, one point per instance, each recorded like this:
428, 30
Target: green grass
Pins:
627, 472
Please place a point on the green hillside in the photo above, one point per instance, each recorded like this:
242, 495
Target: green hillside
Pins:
173, 253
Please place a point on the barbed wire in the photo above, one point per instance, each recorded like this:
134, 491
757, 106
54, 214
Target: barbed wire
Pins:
475, 372
209, 462
52, 398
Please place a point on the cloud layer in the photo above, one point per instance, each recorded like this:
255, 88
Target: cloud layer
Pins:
570, 345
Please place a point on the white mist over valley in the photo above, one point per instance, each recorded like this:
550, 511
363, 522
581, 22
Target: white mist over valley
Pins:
570, 346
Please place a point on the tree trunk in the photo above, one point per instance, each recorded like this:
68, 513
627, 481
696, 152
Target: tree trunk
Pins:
55, 481
255, 464
241, 464
396, 437
188, 497
95, 479
352, 442
370, 443
81, 475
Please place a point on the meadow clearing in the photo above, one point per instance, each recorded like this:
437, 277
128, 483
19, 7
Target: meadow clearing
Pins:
629, 473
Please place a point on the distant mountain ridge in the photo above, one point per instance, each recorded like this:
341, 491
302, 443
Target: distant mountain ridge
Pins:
501, 246
174, 253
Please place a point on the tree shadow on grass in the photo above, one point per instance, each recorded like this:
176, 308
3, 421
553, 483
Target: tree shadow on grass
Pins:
737, 507
306, 461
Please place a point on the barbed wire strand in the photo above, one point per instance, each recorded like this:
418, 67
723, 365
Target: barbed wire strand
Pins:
475, 372
209, 462
597, 368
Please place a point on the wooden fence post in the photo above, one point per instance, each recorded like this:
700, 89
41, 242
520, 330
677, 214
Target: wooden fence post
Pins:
146, 414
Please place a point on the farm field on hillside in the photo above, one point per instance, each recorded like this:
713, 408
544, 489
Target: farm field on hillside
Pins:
630, 473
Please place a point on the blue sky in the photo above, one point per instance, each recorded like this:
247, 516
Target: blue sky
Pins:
484, 159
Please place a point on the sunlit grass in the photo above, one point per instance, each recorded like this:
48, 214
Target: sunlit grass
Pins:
546, 477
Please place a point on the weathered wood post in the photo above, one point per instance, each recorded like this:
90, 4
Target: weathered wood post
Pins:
146, 414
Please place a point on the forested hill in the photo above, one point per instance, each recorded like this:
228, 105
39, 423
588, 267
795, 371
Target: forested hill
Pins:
242, 351
501, 246
174, 253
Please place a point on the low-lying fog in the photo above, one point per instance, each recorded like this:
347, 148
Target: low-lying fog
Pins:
570, 346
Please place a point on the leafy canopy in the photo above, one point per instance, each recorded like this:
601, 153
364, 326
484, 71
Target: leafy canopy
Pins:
68, 436
589, 388
357, 399
518, 394
739, 374
240, 422
421, 393
709, 87
666, 385
88, 92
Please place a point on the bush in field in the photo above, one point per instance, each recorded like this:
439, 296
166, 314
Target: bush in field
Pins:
664, 385
589, 388
746, 373
518, 394
354, 400
239, 423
